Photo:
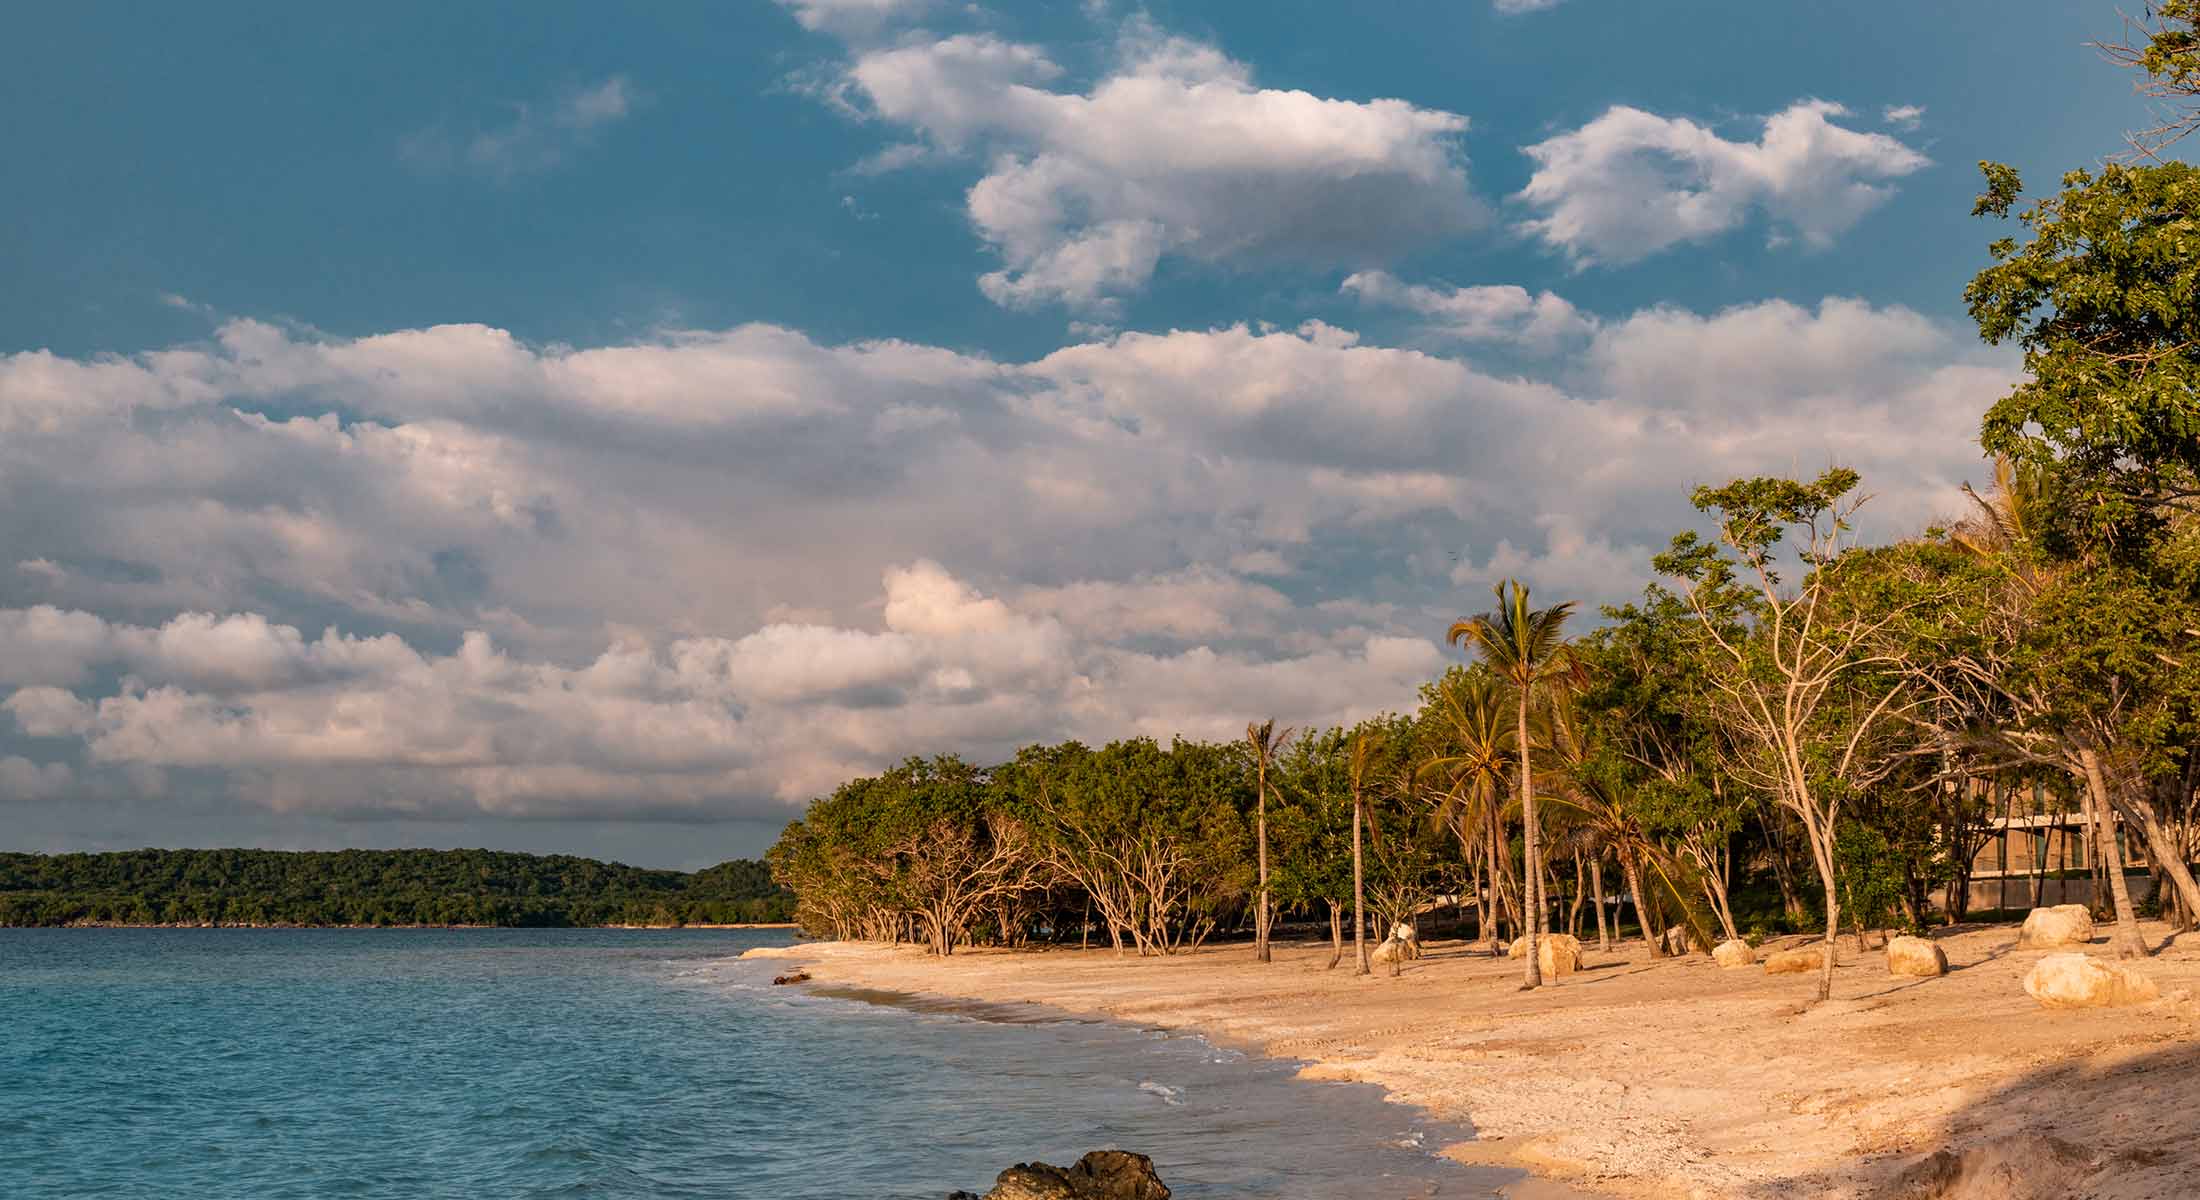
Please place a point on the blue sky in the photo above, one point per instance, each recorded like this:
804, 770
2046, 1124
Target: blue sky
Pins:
586, 428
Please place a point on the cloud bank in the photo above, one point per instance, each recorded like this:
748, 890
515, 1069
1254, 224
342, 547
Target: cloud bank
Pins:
442, 572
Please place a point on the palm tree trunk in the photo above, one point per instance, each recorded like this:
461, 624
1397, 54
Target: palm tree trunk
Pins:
1596, 882
1531, 869
1500, 899
1359, 896
1481, 906
1260, 915
1336, 935
1573, 911
1633, 871
2102, 820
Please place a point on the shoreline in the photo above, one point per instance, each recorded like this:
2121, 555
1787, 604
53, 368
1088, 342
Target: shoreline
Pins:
1672, 1077
285, 925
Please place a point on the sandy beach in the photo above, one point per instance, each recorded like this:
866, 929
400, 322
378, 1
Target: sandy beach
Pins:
1643, 1077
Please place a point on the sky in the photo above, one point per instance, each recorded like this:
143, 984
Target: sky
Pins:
602, 429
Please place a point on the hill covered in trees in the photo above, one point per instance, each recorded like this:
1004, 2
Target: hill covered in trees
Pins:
375, 887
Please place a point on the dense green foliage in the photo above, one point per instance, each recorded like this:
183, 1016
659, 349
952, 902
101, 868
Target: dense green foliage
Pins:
375, 887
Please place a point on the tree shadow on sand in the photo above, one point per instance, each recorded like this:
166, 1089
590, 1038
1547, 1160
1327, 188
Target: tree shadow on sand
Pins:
2122, 1125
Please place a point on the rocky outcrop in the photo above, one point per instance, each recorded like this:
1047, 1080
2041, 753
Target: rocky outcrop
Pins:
796, 977
1558, 953
1100, 1175
1800, 961
1733, 954
2082, 981
2062, 925
1915, 956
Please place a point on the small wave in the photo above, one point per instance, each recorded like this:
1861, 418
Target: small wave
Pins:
1169, 1095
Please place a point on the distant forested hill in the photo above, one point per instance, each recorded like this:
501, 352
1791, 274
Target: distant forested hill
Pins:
375, 887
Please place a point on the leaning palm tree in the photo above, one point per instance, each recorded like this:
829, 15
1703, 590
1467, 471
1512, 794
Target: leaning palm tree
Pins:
1366, 744
1264, 742
1478, 748
1526, 647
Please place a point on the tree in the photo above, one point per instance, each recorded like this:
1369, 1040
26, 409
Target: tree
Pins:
2104, 300
1473, 738
2168, 53
1807, 706
1525, 646
2103, 661
1263, 741
1315, 827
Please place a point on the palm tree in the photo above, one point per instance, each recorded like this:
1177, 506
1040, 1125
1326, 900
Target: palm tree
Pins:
1599, 816
1264, 742
1470, 707
1526, 647
1365, 745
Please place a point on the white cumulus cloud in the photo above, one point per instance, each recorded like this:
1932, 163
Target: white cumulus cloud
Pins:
1630, 184
1535, 321
1175, 152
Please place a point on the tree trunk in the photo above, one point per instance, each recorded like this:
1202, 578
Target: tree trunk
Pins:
1260, 915
1783, 867
1821, 849
1531, 869
1359, 896
1573, 912
1482, 927
2169, 858
1633, 871
1500, 901
1596, 881
2102, 819
1336, 935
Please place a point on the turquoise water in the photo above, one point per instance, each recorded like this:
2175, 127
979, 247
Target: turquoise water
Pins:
602, 1063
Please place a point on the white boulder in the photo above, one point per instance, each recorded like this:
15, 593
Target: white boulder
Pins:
1403, 944
1915, 956
1733, 954
1559, 953
2062, 925
2082, 981
1795, 962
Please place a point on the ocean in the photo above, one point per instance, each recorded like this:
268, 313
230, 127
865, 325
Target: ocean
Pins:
234, 1063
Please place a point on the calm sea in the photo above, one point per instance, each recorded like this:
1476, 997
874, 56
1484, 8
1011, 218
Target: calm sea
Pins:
210, 1064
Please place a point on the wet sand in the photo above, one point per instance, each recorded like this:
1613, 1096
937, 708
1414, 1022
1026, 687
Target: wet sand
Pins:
1672, 1077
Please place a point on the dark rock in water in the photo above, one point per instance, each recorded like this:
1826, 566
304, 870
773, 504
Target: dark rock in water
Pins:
1100, 1175
797, 977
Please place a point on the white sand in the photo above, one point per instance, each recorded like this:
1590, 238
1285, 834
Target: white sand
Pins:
1645, 1077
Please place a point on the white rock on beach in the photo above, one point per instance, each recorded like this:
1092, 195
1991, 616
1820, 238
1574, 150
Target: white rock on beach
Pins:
1733, 954
2061, 925
1559, 953
1678, 940
1404, 942
2082, 981
1795, 962
1915, 956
